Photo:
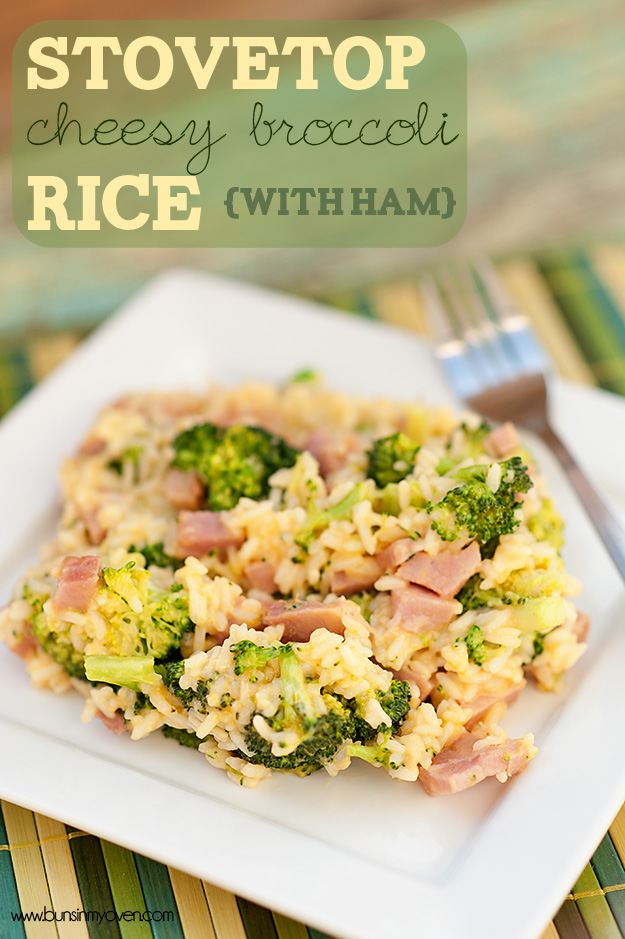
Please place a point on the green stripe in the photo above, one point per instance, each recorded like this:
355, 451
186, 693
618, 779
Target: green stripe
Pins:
159, 897
126, 889
364, 306
610, 872
590, 316
569, 922
257, 920
93, 884
595, 910
315, 934
9, 899
15, 377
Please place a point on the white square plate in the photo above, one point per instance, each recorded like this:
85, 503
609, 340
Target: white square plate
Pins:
361, 856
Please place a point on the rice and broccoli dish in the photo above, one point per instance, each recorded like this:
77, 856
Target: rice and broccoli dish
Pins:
293, 579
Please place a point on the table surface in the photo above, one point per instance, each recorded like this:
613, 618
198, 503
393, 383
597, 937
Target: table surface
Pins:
576, 300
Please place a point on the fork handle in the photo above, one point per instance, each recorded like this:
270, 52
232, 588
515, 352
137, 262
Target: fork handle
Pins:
609, 528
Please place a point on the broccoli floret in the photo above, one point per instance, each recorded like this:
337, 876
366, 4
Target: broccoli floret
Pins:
547, 524
184, 737
58, 645
473, 597
321, 734
376, 754
130, 455
324, 735
154, 554
391, 458
142, 618
233, 462
247, 655
129, 671
538, 644
473, 508
304, 375
469, 449
476, 645
395, 702
321, 520
171, 673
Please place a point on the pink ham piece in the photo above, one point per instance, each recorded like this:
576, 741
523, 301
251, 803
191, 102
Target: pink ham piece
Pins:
417, 609
261, 576
481, 703
444, 573
459, 766
116, 724
91, 445
331, 452
201, 532
360, 575
300, 618
183, 489
78, 581
425, 685
396, 553
503, 439
581, 627
27, 644
96, 533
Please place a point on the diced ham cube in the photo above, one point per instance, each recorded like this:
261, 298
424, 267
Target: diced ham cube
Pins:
332, 452
396, 553
96, 532
581, 627
425, 685
444, 573
91, 445
261, 576
183, 489
27, 644
78, 581
201, 532
503, 439
116, 724
416, 609
360, 575
460, 766
300, 618
482, 703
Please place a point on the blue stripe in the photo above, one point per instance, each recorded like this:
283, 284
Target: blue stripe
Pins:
159, 897
9, 899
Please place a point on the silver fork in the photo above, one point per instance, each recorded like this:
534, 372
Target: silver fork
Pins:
494, 363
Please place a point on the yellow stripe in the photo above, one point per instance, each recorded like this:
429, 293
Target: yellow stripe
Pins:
61, 874
47, 352
527, 287
40, 841
192, 904
30, 875
617, 834
288, 928
225, 913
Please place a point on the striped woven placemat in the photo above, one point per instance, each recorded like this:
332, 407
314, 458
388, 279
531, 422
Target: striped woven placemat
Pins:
56, 881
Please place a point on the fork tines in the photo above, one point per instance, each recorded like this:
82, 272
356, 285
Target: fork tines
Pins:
483, 340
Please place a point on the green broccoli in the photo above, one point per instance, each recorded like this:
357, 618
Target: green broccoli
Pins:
547, 524
473, 597
472, 508
184, 737
321, 734
154, 554
376, 754
129, 671
477, 647
130, 455
248, 656
171, 673
391, 458
470, 447
395, 702
320, 520
304, 375
233, 462
58, 645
